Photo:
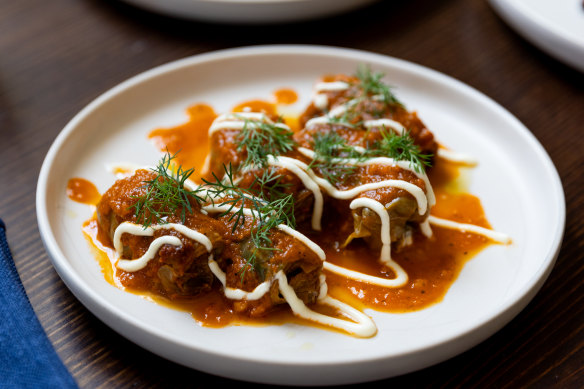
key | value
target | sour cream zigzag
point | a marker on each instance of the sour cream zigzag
(456, 157)
(320, 100)
(379, 161)
(495, 236)
(314, 183)
(238, 294)
(132, 265)
(362, 325)
(237, 121)
(294, 165)
(377, 207)
(289, 164)
(385, 257)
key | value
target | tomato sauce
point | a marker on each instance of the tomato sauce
(189, 138)
(82, 191)
(432, 264)
(285, 96)
(209, 309)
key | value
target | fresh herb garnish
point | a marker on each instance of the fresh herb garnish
(276, 212)
(369, 87)
(228, 193)
(372, 84)
(165, 194)
(401, 148)
(349, 118)
(260, 139)
(269, 207)
(265, 197)
(330, 149)
(269, 184)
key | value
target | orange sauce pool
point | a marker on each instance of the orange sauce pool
(210, 309)
(82, 191)
(191, 138)
(432, 264)
(286, 96)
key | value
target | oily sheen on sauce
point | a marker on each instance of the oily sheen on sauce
(431, 265)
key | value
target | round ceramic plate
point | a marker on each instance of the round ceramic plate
(557, 27)
(515, 180)
(250, 11)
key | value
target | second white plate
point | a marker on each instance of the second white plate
(515, 181)
(557, 26)
(250, 11)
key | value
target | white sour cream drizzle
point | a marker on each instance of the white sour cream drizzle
(401, 276)
(495, 236)
(359, 324)
(320, 99)
(387, 123)
(288, 164)
(456, 157)
(311, 181)
(238, 294)
(132, 265)
(380, 161)
(334, 113)
(330, 86)
(376, 206)
(237, 121)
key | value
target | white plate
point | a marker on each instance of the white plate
(250, 11)
(515, 180)
(555, 26)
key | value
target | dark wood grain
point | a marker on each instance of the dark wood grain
(56, 56)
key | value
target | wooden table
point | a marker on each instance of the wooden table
(56, 56)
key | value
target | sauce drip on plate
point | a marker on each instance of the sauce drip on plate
(431, 264)
(189, 138)
(82, 191)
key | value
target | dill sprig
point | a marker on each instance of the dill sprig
(369, 84)
(401, 148)
(372, 84)
(260, 139)
(279, 211)
(230, 194)
(165, 194)
(348, 118)
(330, 149)
(270, 207)
(270, 185)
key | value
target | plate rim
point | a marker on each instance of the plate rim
(250, 12)
(74, 282)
